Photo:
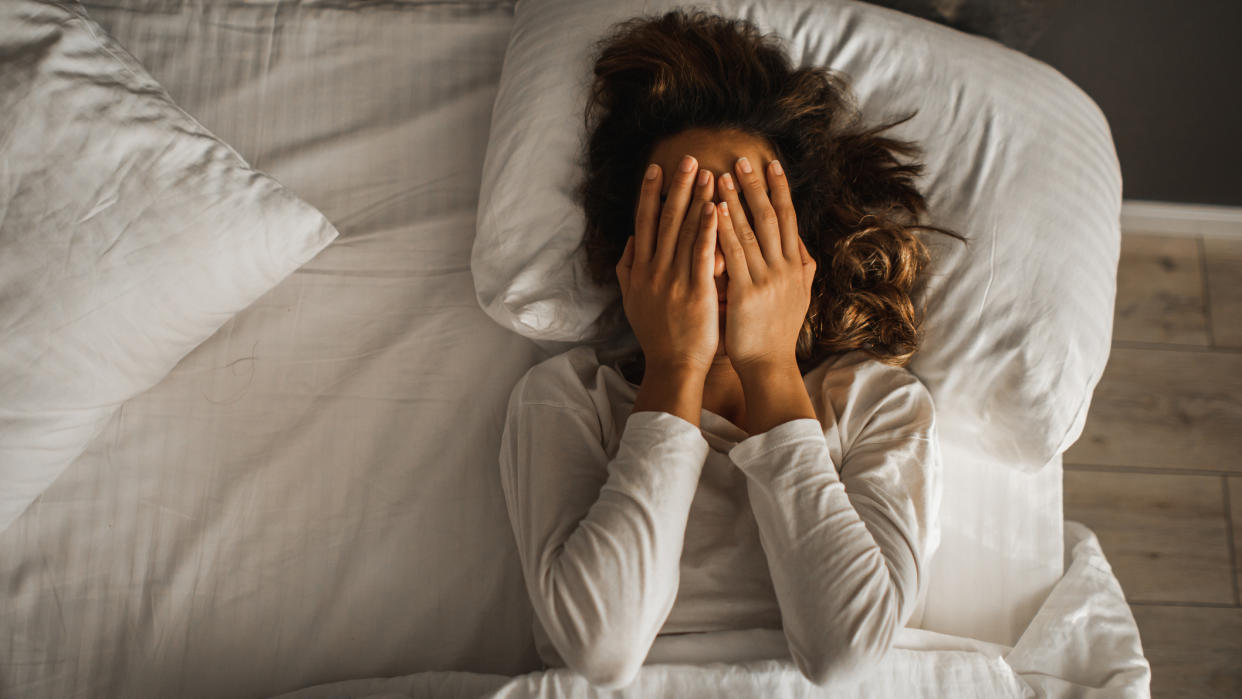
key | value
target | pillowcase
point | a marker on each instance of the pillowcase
(1017, 24)
(128, 236)
(1019, 160)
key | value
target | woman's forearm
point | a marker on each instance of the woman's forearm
(674, 390)
(775, 394)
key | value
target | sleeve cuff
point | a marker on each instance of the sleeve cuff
(753, 447)
(668, 425)
(665, 422)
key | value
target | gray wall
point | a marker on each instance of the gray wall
(1168, 75)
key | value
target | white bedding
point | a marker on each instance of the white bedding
(312, 495)
(1081, 644)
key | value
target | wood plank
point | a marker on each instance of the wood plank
(1235, 507)
(1164, 535)
(1165, 408)
(1224, 283)
(1160, 291)
(1193, 651)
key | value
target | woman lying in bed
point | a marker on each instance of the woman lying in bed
(766, 461)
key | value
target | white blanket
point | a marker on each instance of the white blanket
(1081, 643)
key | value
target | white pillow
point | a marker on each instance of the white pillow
(1019, 160)
(128, 235)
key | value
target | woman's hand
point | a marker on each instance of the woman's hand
(770, 271)
(665, 273)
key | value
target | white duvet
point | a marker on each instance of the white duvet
(1080, 644)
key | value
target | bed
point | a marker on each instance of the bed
(307, 503)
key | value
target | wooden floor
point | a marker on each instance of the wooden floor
(1157, 473)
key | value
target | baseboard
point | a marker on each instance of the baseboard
(1173, 218)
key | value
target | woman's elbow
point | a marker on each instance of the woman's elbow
(847, 648)
(606, 665)
(839, 669)
(841, 660)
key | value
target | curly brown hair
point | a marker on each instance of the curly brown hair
(857, 207)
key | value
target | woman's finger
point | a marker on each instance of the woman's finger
(684, 257)
(693, 223)
(742, 232)
(646, 218)
(704, 259)
(782, 202)
(734, 255)
(808, 263)
(764, 221)
(625, 265)
(674, 211)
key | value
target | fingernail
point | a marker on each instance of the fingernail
(728, 181)
(776, 167)
(651, 171)
(687, 164)
(744, 163)
(702, 177)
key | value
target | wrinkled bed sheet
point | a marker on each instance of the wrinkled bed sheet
(312, 494)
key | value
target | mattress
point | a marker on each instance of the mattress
(312, 495)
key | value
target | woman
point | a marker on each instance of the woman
(765, 461)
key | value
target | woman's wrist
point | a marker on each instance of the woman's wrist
(755, 370)
(672, 388)
(775, 394)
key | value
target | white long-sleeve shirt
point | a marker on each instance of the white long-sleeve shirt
(630, 526)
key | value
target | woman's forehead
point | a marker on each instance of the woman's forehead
(715, 150)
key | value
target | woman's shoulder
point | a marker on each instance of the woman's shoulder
(858, 364)
(576, 383)
(863, 392)
(571, 378)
